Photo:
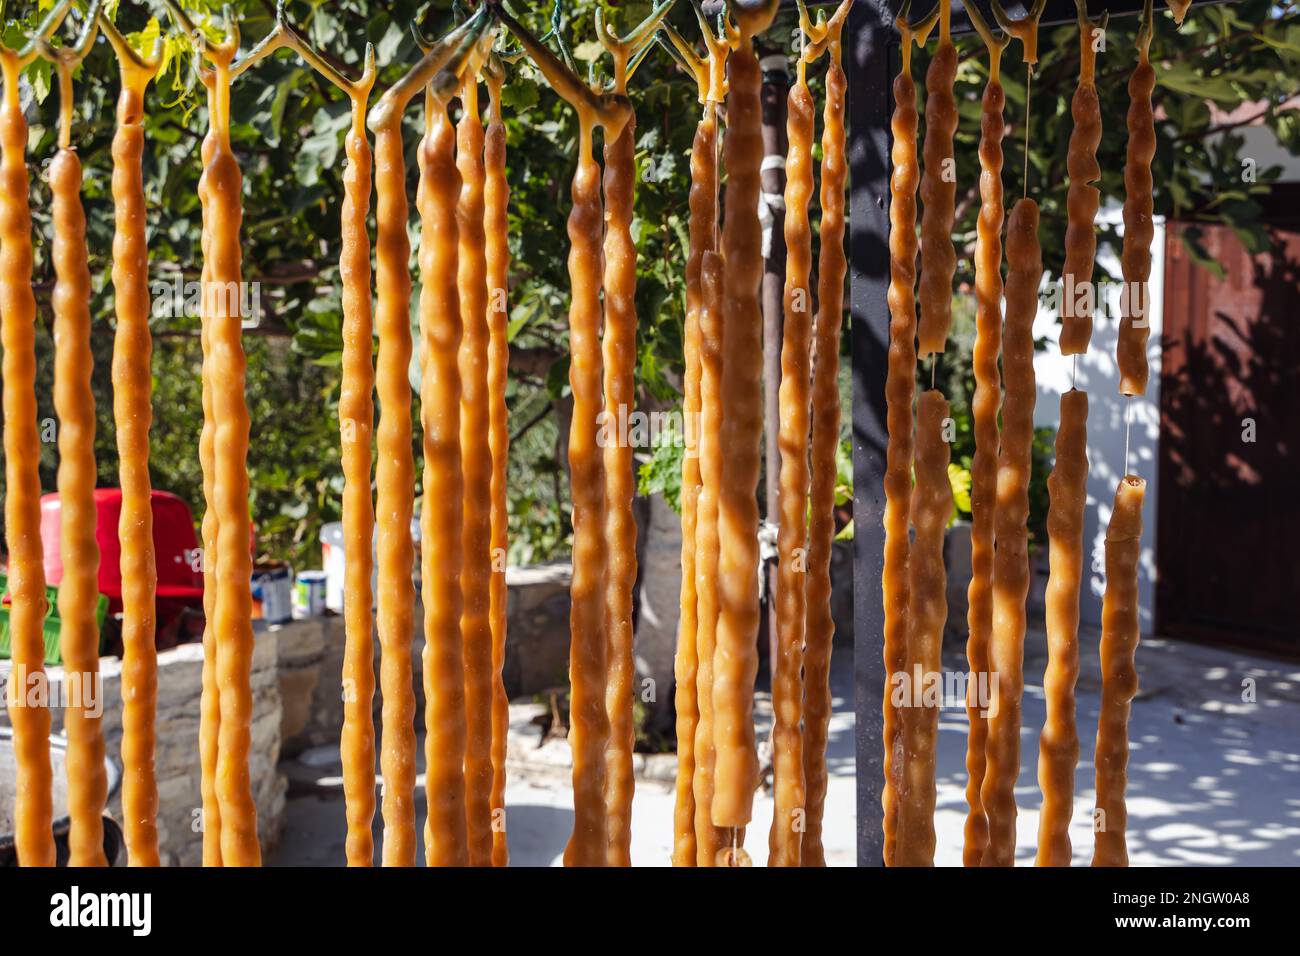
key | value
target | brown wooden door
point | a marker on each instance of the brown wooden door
(1229, 507)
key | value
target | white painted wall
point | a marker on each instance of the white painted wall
(1098, 375)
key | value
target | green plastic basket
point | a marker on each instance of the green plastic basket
(51, 627)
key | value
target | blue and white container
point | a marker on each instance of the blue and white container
(309, 595)
(272, 593)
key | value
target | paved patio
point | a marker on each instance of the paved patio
(1214, 772)
(539, 797)
(1214, 779)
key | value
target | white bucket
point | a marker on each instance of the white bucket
(334, 562)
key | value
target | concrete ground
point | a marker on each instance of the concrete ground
(539, 797)
(1214, 760)
(1214, 772)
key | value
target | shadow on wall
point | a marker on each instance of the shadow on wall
(1230, 516)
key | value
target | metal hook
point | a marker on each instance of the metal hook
(556, 30)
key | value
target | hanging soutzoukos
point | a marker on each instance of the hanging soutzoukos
(74, 402)
(1120, 619)
(356, 420)
(698, 842)
(735, 657)
(589, 729)
(619, 354)
(900, 390)
(496, 198)
(1067, 484)
(695, 840)
(927, 576)
(824, 443)
(33, 799)
(395, 475)
(985, 405)
(1011, 510)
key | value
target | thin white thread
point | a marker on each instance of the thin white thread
(1128, 426)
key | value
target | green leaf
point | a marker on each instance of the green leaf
(959, 479)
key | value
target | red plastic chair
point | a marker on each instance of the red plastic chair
(180, 586)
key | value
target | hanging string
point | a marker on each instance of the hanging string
(557, 31)
(1128, 427)
(1029, 80)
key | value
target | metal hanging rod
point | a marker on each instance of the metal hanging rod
(1056, 13)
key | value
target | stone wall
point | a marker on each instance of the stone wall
(311, 656)
(176, 761)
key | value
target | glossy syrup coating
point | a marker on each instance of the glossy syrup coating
(1139, 230)
(1082, 199)
(928, 610)
(735, 658)
(831, 268)
(1011, 517)
(789, 813)
(441, 516)
(476, 459)
(496, 198)
(709, 839)
(1119, 679)
(619, 355)
(985, 405)
(695, 839)
(900, 389)
(589, 652)
(938, 195)
(233, 606)
(702, 200)
(210, 701)
(356, 420)
(74, 402)
(1058, 745)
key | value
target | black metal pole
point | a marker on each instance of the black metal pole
(776, 85)
(868, 47)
